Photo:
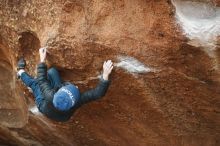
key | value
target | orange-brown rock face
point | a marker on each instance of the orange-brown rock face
(163, 90)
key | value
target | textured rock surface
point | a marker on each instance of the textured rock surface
(176, 103)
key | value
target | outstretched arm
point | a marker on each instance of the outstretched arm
(44, 84)
(101, 88)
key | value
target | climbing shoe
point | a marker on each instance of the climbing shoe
(21, 64)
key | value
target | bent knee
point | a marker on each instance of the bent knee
(52, 70)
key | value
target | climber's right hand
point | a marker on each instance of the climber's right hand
(43, 54)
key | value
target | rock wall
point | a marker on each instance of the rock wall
(163, 90)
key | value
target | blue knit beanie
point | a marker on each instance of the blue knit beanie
(66, 97)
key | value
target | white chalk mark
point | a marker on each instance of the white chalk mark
(35, 110)
(200, 22)
(87, 80)
(132, 65)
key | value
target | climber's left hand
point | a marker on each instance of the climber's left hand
(107, 69)
(43, 54)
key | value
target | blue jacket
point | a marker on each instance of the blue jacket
(46, 106)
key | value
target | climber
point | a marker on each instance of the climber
(58, 100)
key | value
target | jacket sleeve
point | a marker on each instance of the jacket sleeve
(95, 93)
(47, 91)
